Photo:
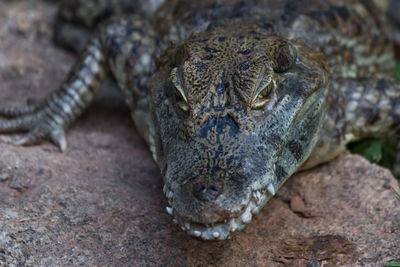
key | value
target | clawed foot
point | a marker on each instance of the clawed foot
(38, 123)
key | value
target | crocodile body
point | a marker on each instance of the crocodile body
(232, 97)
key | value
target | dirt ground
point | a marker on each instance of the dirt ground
(101, 202)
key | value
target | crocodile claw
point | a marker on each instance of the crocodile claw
(39, 125)
(58, 138)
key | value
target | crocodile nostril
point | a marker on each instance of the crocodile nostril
(206, 192)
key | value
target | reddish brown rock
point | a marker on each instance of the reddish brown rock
(101, 202)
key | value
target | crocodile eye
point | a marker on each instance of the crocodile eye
(180, 95)
(263, 96)
(181, 102)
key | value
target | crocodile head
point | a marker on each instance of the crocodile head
(236, 111)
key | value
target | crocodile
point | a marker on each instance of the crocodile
(232, 97)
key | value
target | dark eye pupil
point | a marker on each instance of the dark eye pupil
(180, 102)
(178, 96)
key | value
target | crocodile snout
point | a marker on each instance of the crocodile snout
(207, 191)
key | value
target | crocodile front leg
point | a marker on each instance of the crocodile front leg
(123, 46)
(357, 108)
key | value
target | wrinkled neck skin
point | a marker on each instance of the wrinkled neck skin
(236, 111)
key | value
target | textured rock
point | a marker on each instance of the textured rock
(101, 202)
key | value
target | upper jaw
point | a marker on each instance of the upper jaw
(223, 229)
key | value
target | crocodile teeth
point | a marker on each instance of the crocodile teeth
(165, 189)
(196, 233)
(169, 210)
(246, 216)
(271, 189)
(187, 225)
(233, 225)
(255, 196)
(222, 230)
(256, 210)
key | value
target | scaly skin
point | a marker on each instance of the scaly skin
(232, 97)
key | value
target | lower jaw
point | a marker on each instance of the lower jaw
(223, 230)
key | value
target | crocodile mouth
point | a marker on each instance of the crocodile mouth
(223, 229)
